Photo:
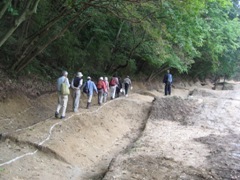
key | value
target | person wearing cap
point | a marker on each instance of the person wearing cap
(127, 83)
(113, 85)
(91, 88)
(76, 86)
(105, 94)
(62, 99)
(101, 87)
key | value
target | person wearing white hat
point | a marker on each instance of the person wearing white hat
(62, 98)
(76, 86)
(127, 83)
(105, 95)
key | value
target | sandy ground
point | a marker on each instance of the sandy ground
(193, 134)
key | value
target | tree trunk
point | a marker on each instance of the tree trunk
(3, 10)
(26, 13)
(154, 74)
(36, 45)
(37, 49)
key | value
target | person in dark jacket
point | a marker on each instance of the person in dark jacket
(167, 80)
(118, 88)
(76, 86)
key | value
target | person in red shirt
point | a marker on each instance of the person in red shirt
(101, 87)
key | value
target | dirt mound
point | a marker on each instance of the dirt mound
(175, 109)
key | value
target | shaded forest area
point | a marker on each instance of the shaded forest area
(141, 38)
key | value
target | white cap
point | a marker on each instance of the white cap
(101, 78)
(106, 78)
(64, 73)
(88, 77)
(79, 74)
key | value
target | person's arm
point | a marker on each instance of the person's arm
(80, 83)
(72, 84)
(117, 81)
(67, 82)
(94, 87)
(164, 78)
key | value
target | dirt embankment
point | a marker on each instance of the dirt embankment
(194, 134)
(35, 145)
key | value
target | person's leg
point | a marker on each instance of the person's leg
(126, 88)
(166, 89)
(117, 92)
(100, 97)
(64, 105)
(74, 98)
(114, 91)
(169, 88)
(89, 101)
(59, 105)
(105, 95)
(76, 101)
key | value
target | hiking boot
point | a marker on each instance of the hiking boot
(62, 117)
(88, 104)
(56, 114)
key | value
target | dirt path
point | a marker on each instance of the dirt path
(177, 137)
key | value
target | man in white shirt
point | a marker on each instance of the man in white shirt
(62, 99)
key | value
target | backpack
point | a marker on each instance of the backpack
(76, 81)
(100, 85)
(64, 90)
(85, 88)
(113, 82)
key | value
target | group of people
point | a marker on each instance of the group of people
(102, 88)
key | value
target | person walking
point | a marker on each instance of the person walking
(127, 83)
(62, 98)
(105, 95)
(167, 80)
(113, 85)
(101, 87)
(118, 88)
(76, 86)
(90, 88)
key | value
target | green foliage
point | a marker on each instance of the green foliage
(192, 36)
